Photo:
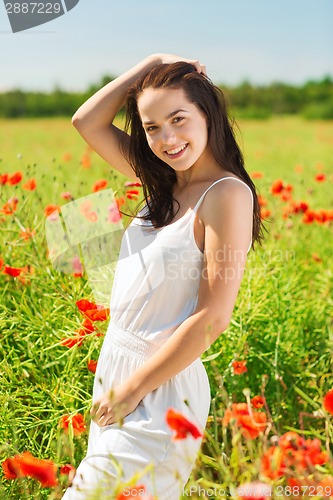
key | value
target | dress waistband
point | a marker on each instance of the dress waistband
(130, 342)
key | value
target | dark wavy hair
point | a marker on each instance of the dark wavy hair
(157, 177)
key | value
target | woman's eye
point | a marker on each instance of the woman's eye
(151, 129)
(177, 119)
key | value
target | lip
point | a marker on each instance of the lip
(177, 155)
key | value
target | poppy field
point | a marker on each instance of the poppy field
(270, 428)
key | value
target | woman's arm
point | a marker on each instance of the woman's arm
(227, 216)
(94, 119)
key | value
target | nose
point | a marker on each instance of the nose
(168, 136)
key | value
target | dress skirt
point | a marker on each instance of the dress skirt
(143, 443)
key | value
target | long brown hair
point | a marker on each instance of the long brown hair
(156, 176)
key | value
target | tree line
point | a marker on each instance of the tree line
(312, 100)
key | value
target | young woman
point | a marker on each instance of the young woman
(179, 271)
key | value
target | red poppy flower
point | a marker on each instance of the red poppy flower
(10, 207)
(285, 195)
(27, 234)
(12, 271)
(84, 304)
(309, 216)
(276, 187)
(49, 209)
(98, 314)
(68, 470)
(73, 341)
(257, 175)
(93, 311)
(299, 206)
(132, 194)
(92, 365)
(132, 191)
(182, 427)
(328, 401)
(321, 216)
(15, 178)
(299, 483)
(262, 201)
(43, 471)
(239, 367)
(133, 184)
(291, 440)
(88, 325)
(23, 276)
(250, 425)
(3, 179)
(67, 195)
(11, 468)
(1, 262)
(86, 161)
(120, 201)
(264, 212)
(99, 185)
(320, 177)
(300, 453)
(272, 463)
(77, 421)
(258, 402)
(30, 185)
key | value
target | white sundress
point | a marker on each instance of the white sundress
(155, 289)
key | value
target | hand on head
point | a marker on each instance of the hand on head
(170, 58)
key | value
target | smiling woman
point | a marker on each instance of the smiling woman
(178, 273)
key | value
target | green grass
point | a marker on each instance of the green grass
(282, 323)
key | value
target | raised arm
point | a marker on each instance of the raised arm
(94, 119)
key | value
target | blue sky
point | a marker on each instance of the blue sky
(258, 40)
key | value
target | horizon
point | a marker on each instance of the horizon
(219, 84)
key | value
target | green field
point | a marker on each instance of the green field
(282, 323)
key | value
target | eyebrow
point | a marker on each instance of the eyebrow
(169, 116)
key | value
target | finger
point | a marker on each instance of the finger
(94, 409)
(106, 419)
(203, 70)
(197, 66)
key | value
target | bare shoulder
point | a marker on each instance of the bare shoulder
(227, 198)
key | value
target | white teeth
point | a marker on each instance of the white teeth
(177, 150)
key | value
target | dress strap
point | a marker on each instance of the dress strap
(219, 180)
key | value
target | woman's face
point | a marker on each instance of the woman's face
(176, 129)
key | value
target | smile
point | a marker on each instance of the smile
(176, 152)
